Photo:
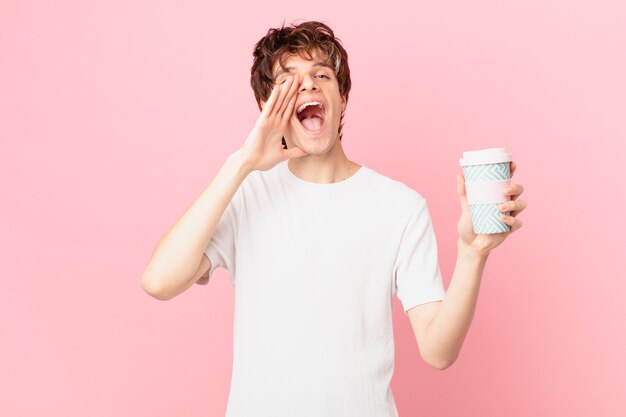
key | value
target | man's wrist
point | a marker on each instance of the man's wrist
(469, 251)
(237, 160)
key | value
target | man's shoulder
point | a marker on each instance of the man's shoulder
(388, 187)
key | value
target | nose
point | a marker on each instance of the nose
(307, 83)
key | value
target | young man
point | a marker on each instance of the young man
(316, 246)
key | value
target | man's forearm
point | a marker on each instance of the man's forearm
(448, 329)
(181, 248)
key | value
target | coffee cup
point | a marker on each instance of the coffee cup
(487, 173)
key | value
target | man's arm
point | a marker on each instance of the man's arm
(440, 327)
(179, 255)
(176, 261)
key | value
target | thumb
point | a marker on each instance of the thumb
(460, 188)
(294, 152)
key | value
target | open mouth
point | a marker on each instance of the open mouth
(311, 116)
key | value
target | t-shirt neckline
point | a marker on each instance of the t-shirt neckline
(294, 179)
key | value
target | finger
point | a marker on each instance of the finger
(294, 152)
(513, 190)
(281, 97)
(513, 206)
(269, 104)
(288, 113)
(513, 222)
(513, 166)
(290, 101)
(291, 104)
(461, 190)
(519, 207)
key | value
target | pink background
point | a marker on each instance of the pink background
(115, 115)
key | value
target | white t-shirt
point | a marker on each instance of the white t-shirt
(314, 269)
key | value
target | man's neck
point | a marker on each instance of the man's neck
(322, 170)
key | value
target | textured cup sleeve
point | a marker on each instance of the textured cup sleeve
(221, 247)
(417, 275)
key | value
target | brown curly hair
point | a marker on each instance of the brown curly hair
(305, 39)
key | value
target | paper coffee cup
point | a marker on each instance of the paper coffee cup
(487, 173)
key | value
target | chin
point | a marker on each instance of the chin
(312, 143)
(317, 145)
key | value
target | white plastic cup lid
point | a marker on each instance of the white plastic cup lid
(485, 156)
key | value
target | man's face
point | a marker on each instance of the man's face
(314, 129)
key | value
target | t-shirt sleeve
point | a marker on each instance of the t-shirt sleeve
(221, 247)
(416, 270)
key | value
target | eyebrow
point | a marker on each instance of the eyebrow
(287, 69)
